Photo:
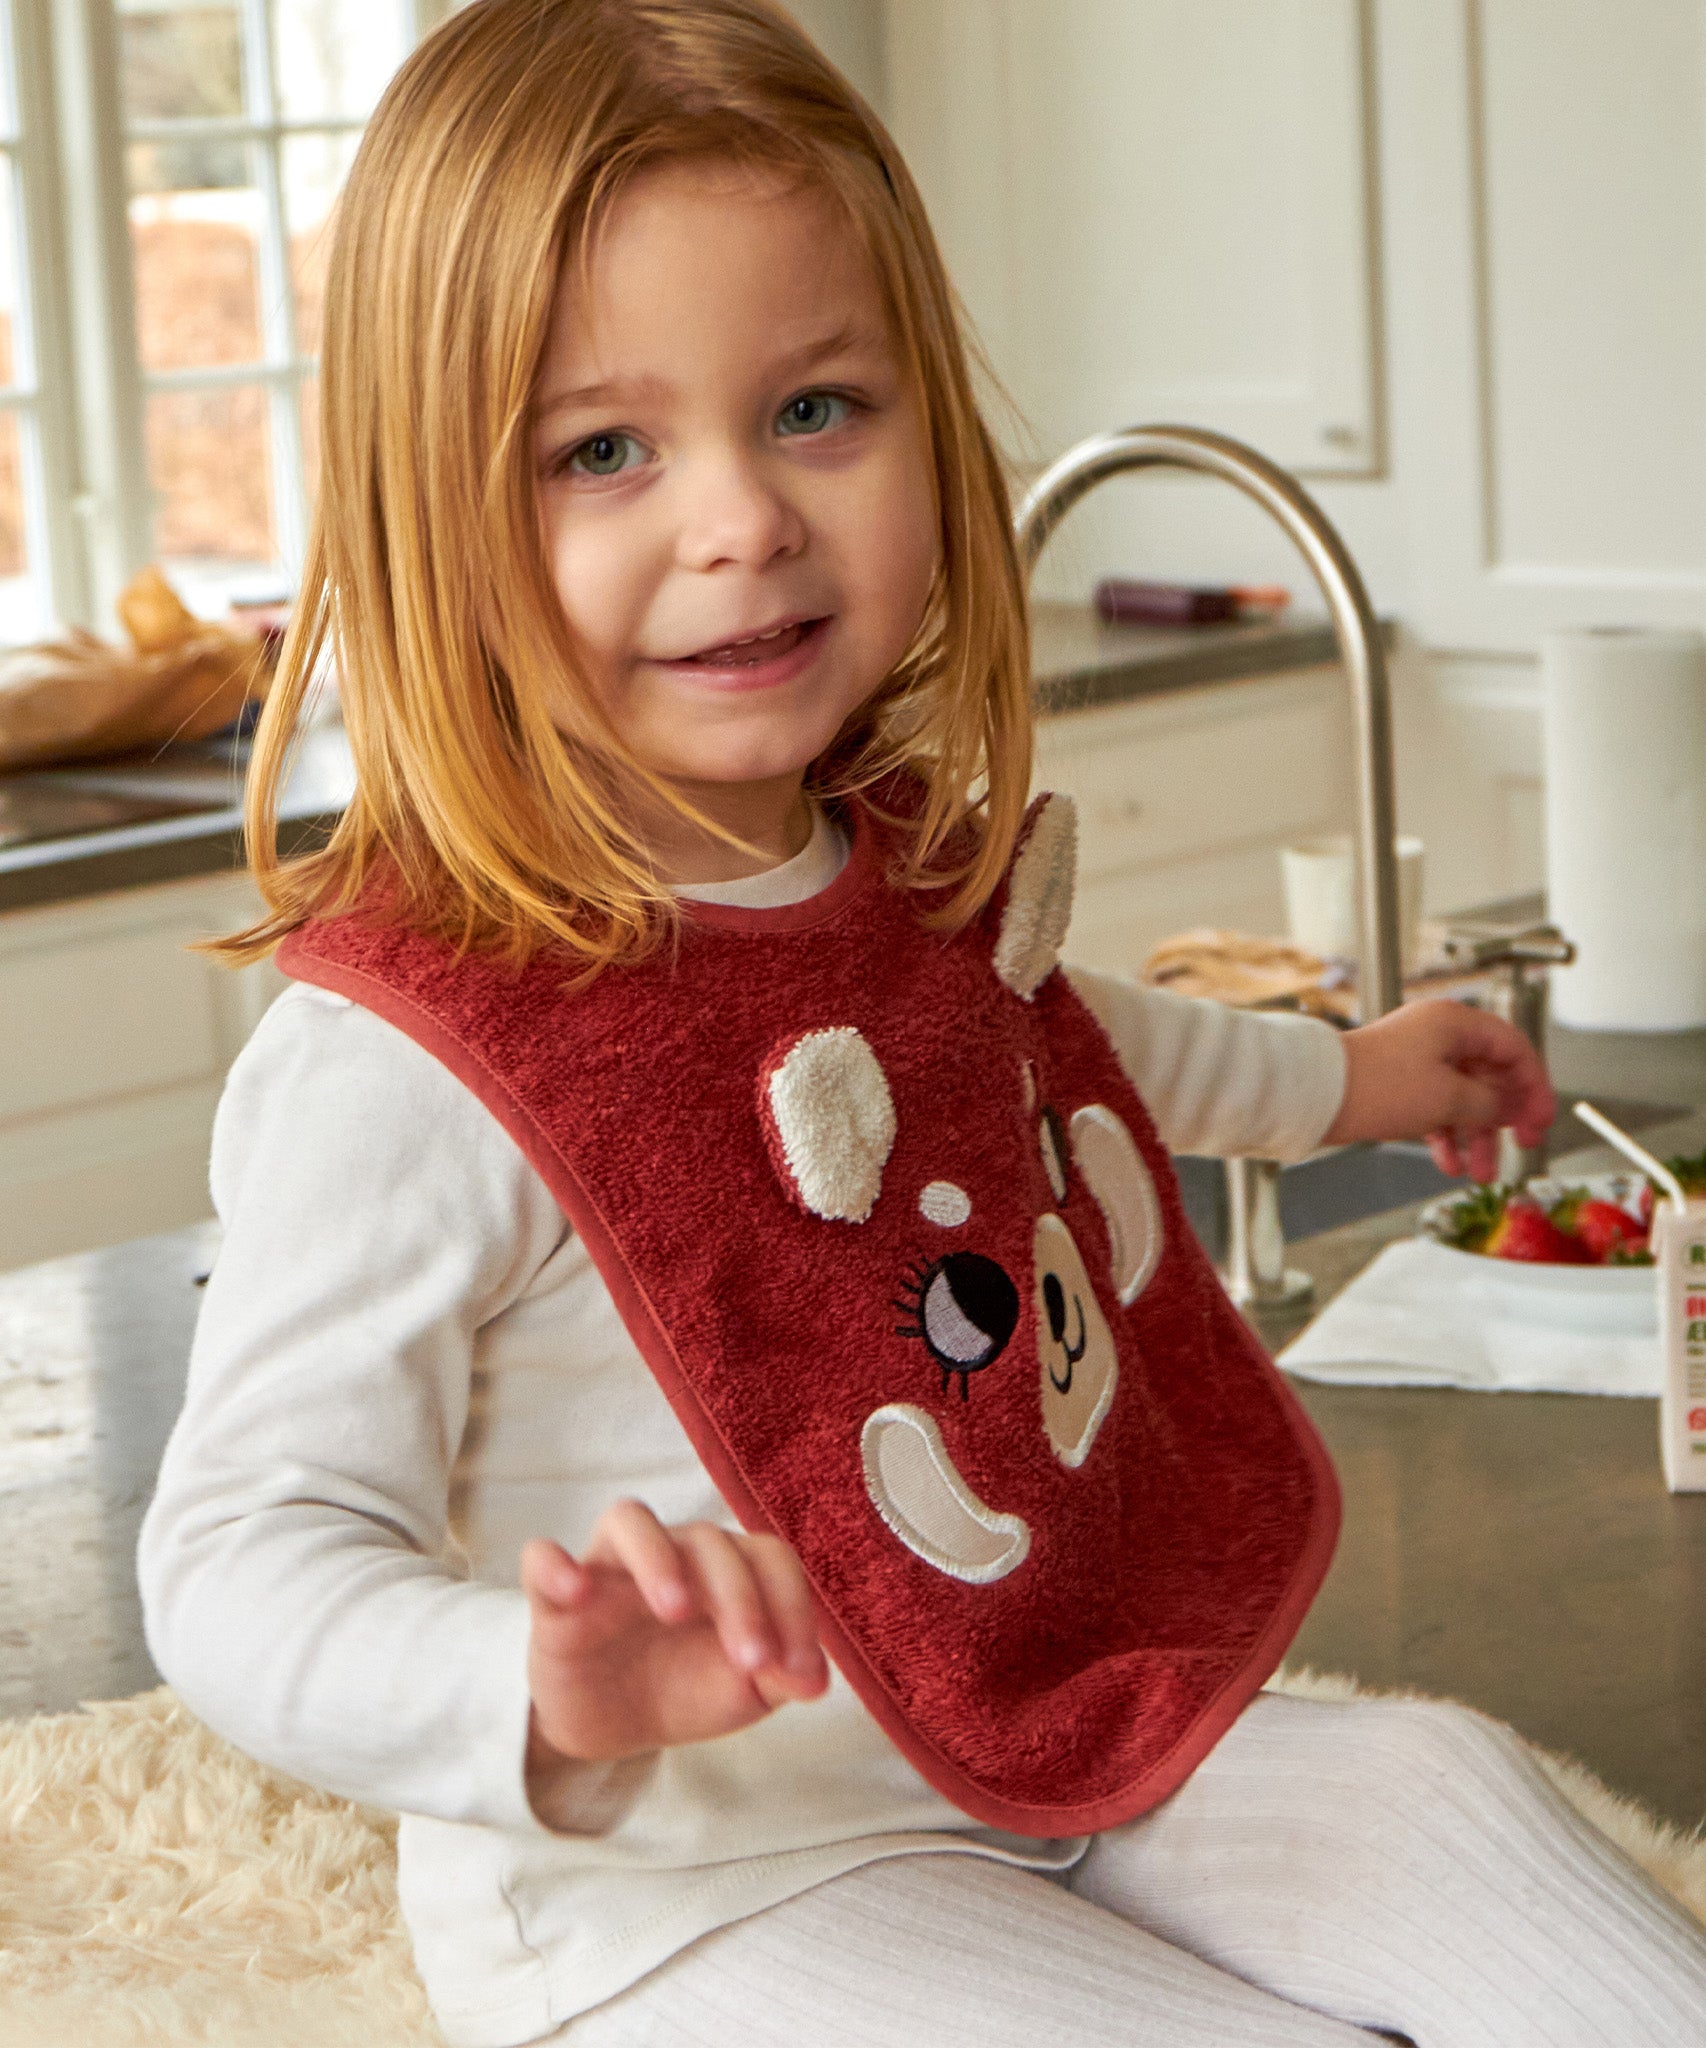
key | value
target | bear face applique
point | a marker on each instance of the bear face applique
(831, 1120)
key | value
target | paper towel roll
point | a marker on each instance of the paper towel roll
(1625, 723)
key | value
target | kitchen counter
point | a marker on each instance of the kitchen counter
(1520, 1551)
(1517, 1551)
(1077, 660)
(90, 830)
(164, 817)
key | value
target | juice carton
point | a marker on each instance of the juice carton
(1679, 1246)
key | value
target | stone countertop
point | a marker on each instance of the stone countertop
(1520, 1551)
(162, 817)
(123, 824)
(1079, 661)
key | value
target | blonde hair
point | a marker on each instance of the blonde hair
(489, 163)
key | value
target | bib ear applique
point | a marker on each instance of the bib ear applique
(829, 1119)
(1039, 898)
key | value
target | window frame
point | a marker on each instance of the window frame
(47, 459)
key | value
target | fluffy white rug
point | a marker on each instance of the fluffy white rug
(157, 1887)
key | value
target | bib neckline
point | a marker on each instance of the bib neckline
(861, 871)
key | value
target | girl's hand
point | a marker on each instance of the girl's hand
(659, 1636)
(1445, 1072)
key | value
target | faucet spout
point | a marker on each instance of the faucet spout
(1080, 469)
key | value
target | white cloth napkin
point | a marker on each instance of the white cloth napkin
(1424, 1315)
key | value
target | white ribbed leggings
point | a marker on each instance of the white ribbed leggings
(1400, 1867)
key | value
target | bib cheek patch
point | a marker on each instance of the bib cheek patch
(943, 1327)
(914, 1487)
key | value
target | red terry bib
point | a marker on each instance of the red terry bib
(899, 1241)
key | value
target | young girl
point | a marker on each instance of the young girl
(682, 1220)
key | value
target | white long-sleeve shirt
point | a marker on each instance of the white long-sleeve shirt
(406, 1365)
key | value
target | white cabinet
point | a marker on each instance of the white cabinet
(1155, 209)
(1185, 800)
(116, 1040)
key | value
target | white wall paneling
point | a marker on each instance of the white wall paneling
(1546, 245)
(850, 35)
(1185, 800)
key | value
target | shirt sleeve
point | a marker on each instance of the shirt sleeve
(301, 1587)
(1217, 1080)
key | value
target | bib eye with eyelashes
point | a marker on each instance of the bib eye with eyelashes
(897, 1238)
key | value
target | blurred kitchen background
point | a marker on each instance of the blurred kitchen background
(1445, 263)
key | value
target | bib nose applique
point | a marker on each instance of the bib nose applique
(1079, 1366)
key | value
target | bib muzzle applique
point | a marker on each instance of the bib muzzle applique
(897, 1237)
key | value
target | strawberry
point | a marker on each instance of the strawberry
(1632, 1251)
(1603, 1226)
(1474, 1216)
(1527, 1233)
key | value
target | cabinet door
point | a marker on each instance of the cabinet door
(116, 1040)
(1155, 210)
(1185, 801)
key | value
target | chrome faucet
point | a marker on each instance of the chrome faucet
(1256, 1271)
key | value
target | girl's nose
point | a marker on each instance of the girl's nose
(732, 514)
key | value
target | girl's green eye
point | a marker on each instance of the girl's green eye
(812, 413)
(605, 455)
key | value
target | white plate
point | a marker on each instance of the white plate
(1622, 1299)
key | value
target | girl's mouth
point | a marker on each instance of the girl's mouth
(758, 658)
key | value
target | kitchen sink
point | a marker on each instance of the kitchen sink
(44, 804)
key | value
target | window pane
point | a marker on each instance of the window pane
(314, 168)
(180, 63)
(23, 610)
(334, 56)
(8, 83)
(210, 462)
(14, 355)
(14, 549)
(196, 256)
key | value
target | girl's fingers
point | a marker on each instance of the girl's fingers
(1473, 1105)
(1483, 1155)
(750, 1589)
(631, 1536)
(1443, 1146)
(788, 1597)
(728, 1591)
(550, 1574)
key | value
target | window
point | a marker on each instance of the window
(240, 120)
(169, 172)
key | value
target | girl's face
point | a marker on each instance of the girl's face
(734, 478)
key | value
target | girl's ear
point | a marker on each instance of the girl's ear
(1039, 897)
(829, 1119)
